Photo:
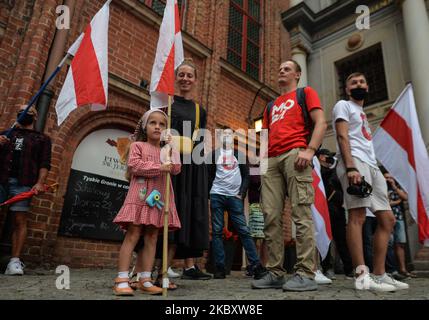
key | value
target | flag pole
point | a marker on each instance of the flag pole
(34, 98)
(165, 281)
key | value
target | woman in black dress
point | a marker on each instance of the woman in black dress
(190, 186)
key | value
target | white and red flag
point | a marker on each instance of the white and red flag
(320, 212)
(399, 147)
(169, 55)
(87, 79)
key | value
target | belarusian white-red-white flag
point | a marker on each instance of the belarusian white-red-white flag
(87, 79)
(320, 212)
(169, 55)
(399, 147)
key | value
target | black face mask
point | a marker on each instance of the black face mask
(358, 94)
(26, 120)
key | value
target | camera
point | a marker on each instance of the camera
(330, 160)
(362, 190)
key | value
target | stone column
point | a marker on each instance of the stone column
(416, 25)
(300, 56)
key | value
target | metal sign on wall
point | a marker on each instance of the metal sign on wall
(97, 187)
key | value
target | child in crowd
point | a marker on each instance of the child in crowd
(142, 211)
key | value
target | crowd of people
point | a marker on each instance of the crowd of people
(365, 207)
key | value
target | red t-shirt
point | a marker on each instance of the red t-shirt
(286, 122)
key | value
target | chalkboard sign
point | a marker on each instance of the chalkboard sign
(91, 203)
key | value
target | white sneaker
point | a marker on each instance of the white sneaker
(397, 284)
(15, 268)
(320, 278)
(172, 274)
(367, 282)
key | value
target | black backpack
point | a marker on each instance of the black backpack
(300, 97)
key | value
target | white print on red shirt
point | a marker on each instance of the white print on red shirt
(280, 111)
(366, 130)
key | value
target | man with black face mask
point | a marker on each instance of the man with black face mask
(357, 160)
(25, 160)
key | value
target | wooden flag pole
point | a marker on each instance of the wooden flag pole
(165, 281)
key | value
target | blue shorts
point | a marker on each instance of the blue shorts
(12, 189)
(399, 232)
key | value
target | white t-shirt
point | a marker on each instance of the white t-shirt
(228, 177)
(360, 136)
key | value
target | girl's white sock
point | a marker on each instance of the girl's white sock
(146, 274)
(123, 274)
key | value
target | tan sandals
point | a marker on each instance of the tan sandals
(122, 291)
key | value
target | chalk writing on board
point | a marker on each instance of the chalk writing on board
(90, 205)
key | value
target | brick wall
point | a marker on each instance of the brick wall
(26, 35)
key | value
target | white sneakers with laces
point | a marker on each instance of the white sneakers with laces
(15, 268)
(383, 283)
(320, 278)
(397, 284)
(367, 282)
(172, 274)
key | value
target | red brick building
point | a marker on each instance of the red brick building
(237, 46)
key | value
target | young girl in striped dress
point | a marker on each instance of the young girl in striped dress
(142, 211)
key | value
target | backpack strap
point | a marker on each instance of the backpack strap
(197, 121)
(300, 97)
(268, 110)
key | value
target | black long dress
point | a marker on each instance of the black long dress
(190, 188)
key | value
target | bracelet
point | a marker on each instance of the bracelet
(312, 148)
(351, 170)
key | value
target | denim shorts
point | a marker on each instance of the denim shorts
(12, 189)
(399, 232)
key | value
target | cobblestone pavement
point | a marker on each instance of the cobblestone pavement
(88, 284)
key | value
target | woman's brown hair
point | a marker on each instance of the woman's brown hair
(187, 62)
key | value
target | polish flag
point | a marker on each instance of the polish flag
(399, 147)
(320, 212)
(169, 55)
(87, 79)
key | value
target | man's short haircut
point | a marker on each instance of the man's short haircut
(353, 75)
(297, 65)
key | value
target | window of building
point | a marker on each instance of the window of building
(244, 35)
(159, 5)
(370, 63)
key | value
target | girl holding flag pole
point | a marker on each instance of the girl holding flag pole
(142, 211)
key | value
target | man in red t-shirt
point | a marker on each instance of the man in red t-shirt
(289, 173)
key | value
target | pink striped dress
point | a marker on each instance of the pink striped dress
(144, 164)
